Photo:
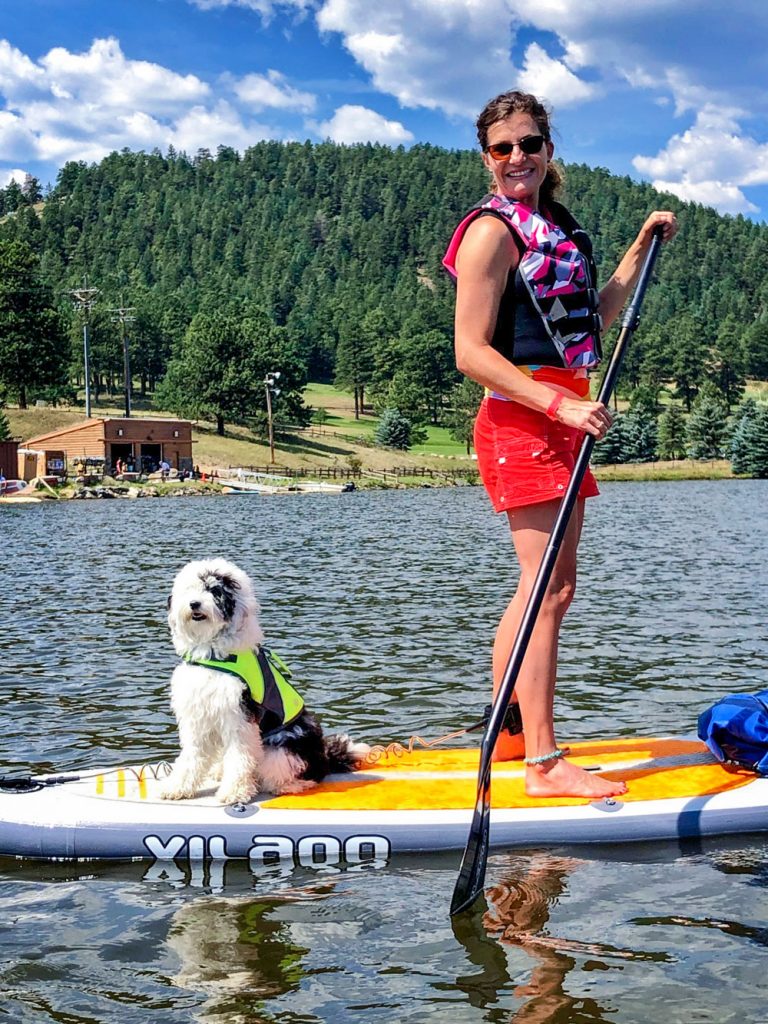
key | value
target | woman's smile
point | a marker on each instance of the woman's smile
(518, 175)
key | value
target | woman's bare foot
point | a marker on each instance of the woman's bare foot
(563, 778)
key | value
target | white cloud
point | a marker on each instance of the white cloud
(221, 126)
(17, 175)
(104, 76)
(723, 197)
(544, 76)
(445, 55)
(352, 123)
(17, 72)
(273, 90)
(82, 106)
(570, 19)
(16, 139)
(710, 162)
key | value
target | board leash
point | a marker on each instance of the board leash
(34, 783)
(380, 752)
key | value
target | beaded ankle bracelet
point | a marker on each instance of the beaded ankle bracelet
(554, 756)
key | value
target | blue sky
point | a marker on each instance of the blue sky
(667, 91)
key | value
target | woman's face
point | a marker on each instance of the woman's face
(519, 175)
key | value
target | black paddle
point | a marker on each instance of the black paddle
(469, 884)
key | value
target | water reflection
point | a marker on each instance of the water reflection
(238, 953)
(516, 914)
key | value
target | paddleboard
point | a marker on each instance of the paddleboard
(399, 802)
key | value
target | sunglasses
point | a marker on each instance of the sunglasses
(530, 144)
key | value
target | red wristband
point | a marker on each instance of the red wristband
(554, 405)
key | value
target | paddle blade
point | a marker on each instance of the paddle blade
(469, 884)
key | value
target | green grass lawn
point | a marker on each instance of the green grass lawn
(341, 418)
(440, 442)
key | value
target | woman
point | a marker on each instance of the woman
(527, 326)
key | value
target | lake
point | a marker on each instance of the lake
(384, 604)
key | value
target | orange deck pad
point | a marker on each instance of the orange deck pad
(654, 769)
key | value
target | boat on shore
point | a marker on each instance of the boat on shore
(21, 492)
(250, 482)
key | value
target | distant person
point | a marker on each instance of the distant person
(528, 321)
(119, 467)
(165, 469)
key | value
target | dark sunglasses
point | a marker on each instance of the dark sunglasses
(530, 144)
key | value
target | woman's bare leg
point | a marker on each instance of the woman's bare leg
(535, 688)
(531, 528)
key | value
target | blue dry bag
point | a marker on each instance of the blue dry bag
(736, 730)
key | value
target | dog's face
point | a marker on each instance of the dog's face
(212, 605)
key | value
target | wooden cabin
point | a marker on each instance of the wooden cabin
(141, 444)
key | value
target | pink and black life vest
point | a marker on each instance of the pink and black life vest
(548, 314)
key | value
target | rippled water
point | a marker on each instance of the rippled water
(384, 604)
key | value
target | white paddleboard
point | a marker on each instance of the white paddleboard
(400, 802)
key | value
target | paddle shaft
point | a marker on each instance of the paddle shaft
(469, 884)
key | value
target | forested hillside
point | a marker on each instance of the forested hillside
(331, 255)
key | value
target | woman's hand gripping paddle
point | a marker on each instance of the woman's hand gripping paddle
(469, 884)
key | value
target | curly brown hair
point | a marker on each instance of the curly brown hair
(515, 102)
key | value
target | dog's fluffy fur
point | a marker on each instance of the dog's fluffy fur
(212, 613)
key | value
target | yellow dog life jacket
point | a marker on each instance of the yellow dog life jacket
(266, 675)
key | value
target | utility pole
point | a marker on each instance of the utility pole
(85, 299)
(269, 385)
(123, 317)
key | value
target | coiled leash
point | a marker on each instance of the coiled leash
(513, 723)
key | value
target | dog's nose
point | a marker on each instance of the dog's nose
(194, 605)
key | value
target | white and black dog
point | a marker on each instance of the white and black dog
(241, 724)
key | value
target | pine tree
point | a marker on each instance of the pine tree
(32, 190)
(707, 427)
(33, 355)
(672, 433)
(5, 426)
(725, 362)
(612, 449)
(426, 372)
(640, 435)
(755, 346)
(749, 442)
(394, 430)
(219, 371)
(656, 358)
(760, 448)
(354, 356)
(688, 358)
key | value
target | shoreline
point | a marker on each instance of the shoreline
(331, 452)
(111, 489)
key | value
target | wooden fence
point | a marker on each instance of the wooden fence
(340, 473)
